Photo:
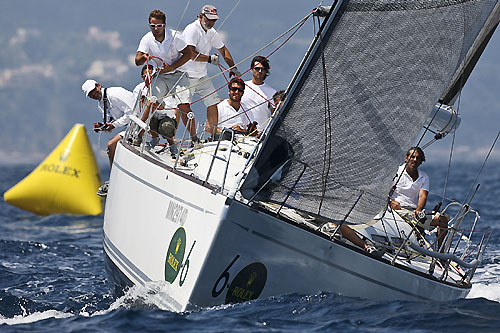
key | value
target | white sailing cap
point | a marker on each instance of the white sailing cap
(88, 86)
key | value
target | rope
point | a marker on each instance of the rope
(413, 152)
(328, 127)
(449, 167)
(298, 25)
(224, 70)
(184, 73)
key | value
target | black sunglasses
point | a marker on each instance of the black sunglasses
(237, 89)
(260, 69)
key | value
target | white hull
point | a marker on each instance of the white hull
(204, 249)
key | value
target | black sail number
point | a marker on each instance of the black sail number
(225, 276)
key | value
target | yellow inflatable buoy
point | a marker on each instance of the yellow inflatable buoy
(65, 182)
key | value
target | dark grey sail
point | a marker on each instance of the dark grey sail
(471, 58)
(358, 102)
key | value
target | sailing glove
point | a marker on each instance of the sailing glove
(234, 71)
(214, 59)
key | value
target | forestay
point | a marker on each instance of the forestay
(347, 123)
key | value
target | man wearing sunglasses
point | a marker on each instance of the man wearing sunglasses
(231, 112)
(259, 93)
(166, 49)
(201, 37)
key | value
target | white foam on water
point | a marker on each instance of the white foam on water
(31, 318)
(135, 297)
(486, 283)
(489, 291)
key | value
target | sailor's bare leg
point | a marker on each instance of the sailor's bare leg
(212, 118)
(441, 221)
(351, 236)
(112, 148)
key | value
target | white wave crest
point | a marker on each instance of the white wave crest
(489, 291)
(31, 318)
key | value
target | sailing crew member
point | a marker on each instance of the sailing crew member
(411, 190)
(259, 93)
(163, 121)
(116, 105)
(278, 97)
(231, 112)
(168, 46)
(201, 37)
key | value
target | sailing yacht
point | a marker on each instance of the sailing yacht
(243, 217)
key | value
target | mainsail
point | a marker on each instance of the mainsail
(360, 99)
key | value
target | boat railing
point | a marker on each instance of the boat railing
(459, 244)
(225, 159)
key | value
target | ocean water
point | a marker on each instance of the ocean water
(52, 277)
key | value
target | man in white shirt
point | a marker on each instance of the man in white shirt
(167, 50)
(230, 112)
(116, 105)
(258, 93)
(141, 90)
(163, 121)
(411, 190)
(201, 37)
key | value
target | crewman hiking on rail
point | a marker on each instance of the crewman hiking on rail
(410, 193)
(116, 105)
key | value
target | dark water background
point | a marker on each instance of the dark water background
(52, 277)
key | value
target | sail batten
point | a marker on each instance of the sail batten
(387, 64)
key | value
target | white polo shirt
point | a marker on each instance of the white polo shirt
(139, 90)
(256, 98)
(203, 41)
(407, 190)
(228, 116)
(168, 50)
(168, 106)
(120, 104)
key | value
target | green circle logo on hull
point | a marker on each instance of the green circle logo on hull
(247, 284)
(175, 255)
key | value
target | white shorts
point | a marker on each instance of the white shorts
(205, 90)
(162, 85)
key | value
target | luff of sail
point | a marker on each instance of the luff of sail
(350, 118)
(469, 61)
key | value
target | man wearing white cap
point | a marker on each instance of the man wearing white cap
(116, 105)
(201, 37)
(166, 49)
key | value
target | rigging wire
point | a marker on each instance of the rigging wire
(449, 167)
(417, 145)
(184, 73)
(482, 166)
(297, 25)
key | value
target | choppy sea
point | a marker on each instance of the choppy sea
(52, 277)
